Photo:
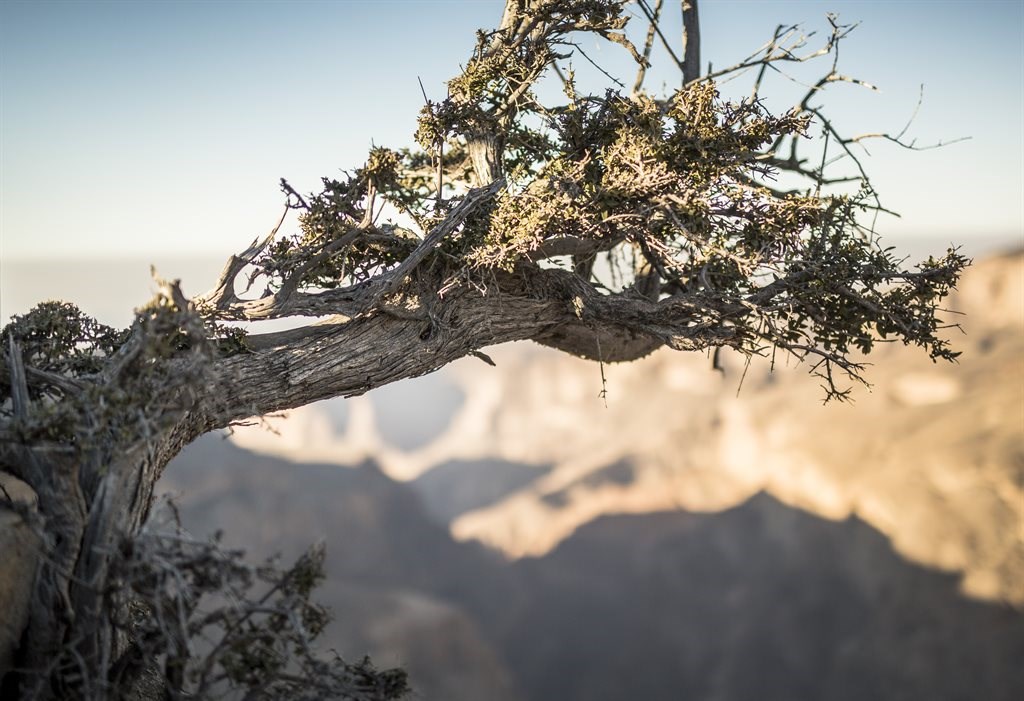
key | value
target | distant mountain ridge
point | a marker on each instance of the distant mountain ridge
(758, 601)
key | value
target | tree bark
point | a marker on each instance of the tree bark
(691, 41)
(342, 356)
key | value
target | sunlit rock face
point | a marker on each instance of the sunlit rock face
(932, 455)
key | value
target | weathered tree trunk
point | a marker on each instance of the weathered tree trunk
(88, 504)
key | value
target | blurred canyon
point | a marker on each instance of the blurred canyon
(502, 533)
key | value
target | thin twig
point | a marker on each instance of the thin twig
(648, 45)
(657, 28)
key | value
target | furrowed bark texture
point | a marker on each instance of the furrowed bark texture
(345, 356)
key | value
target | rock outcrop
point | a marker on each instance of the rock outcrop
(19, 555)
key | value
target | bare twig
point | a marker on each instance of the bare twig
(657, 28)
(290, 191)
(652, 28)
(469, 204)
(223, 294)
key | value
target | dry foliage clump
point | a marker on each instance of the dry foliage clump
(209, 625)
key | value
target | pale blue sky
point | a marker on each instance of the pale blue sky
(146, 128)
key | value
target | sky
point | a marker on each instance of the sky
(135, 129)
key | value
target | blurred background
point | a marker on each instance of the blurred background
(506, 533)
